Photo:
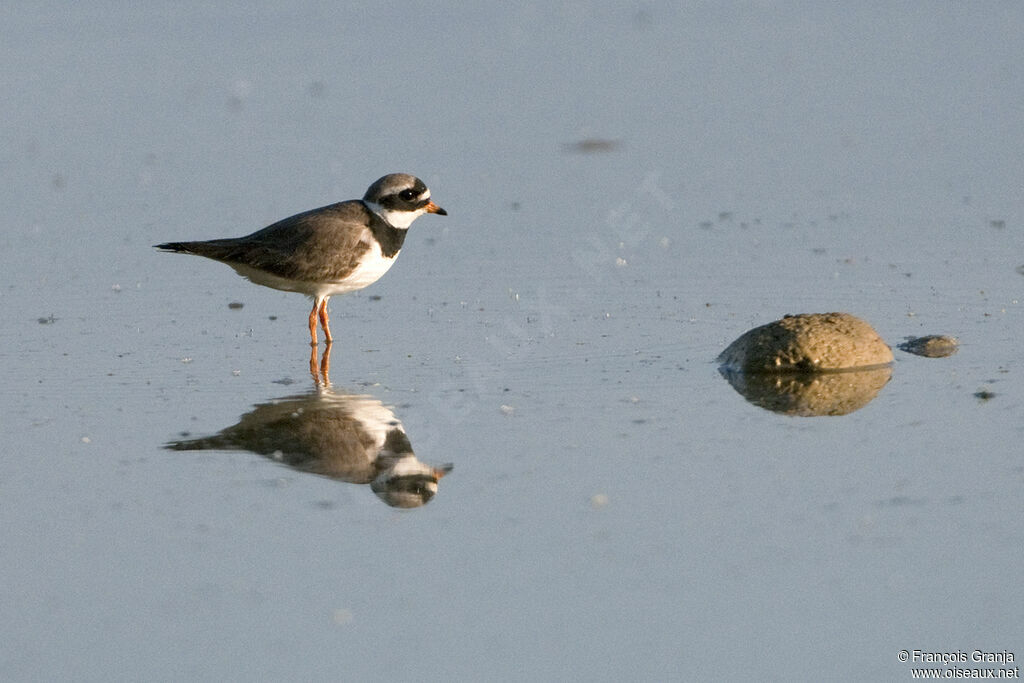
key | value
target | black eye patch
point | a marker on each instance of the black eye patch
(408, 195)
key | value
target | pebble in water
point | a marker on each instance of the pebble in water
(931, 346)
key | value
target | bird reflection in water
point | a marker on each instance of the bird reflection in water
(351, 438)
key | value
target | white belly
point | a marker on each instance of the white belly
(372, 267)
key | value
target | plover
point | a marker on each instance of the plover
(331, 250)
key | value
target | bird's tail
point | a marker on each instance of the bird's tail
(174, 246)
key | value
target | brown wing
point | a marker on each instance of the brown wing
(317, 245)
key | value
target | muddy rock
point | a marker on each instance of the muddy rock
(809, 342)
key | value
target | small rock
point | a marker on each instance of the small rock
(931, 346)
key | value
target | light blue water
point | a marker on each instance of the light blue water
(616, 509)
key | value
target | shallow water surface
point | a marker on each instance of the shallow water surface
(615, 509)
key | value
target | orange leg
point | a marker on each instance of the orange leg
(324, 320)
(312, 323)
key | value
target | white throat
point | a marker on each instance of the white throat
(396, 219)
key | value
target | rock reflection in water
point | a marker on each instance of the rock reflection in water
(347, 437)
(810, 394)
